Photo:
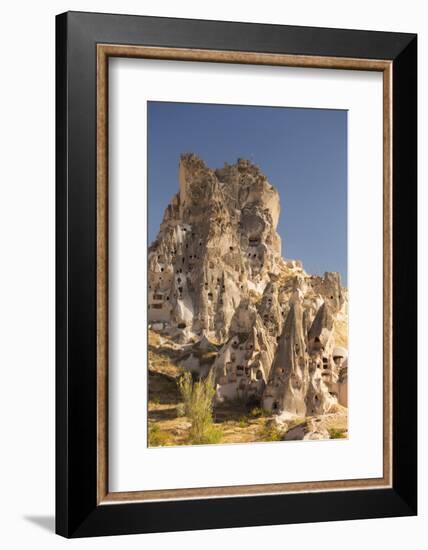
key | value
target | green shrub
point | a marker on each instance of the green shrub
(198, 406)
(337, 434)
(180, 410)
(212, 435)
(243, 422)
(270, 432)
(157, 437)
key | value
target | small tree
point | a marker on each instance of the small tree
(198, 402)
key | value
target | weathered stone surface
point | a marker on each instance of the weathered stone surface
(219, 286)
(288, 380)
(217, 243)
(329, 426)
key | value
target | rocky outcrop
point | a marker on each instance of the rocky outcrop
(288, 381)
(219, 286)
(217, 243)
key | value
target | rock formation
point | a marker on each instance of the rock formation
(219, 286)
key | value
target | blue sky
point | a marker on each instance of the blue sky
(303, 152)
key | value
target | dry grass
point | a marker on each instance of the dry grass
(163, 371)
(158, 437)
(169, 432)
(270, 432)
(337, 434)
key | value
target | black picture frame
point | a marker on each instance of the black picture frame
(77, 511)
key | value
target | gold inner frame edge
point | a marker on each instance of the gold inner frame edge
(104, 51)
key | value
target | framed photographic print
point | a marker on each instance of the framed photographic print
(236, 274)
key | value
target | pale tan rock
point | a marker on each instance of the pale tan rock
(307, 432)
(217, 280)
(217, 240)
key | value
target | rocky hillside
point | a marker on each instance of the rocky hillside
(220, 288)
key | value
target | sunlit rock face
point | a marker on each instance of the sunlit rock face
(217, 242)
(288, 382)
(216, 274)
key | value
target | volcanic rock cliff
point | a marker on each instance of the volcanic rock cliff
(218, 283)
